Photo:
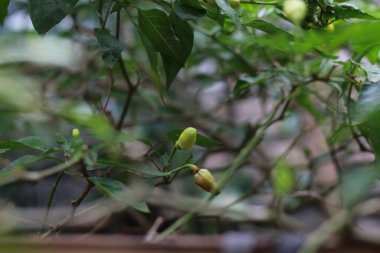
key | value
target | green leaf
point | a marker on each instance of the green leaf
(202, 140)
(372, 71)
(266, 27)
(344, 11)
(3, 10)
(21, 162)
(356, 184)
(226, 8)
(145, 172)
(118, 191)
(141, 206)
(109, 45)
(283, 178)
(368, 105)
(153, 60)
(32, 142)
(367, 114)
(46, 14)
(244, 83)
(188, 9)
(170, 36)
(120, 4)
(340, 135)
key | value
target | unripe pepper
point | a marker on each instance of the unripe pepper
(75, 133)
(295, 10)
(187, 138)
(330, 27)
(204, 179)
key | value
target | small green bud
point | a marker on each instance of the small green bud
(295, 10)
(204, 179)
(187, 138)
(75, 133)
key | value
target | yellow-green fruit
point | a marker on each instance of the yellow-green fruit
(330, 27)
(75, 133)
(204, 179)
(187, 138)
(295, 10)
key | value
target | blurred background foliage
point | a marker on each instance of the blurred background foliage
(287, 115)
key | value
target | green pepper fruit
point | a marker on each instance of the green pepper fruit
(187, 138)
(204, 179)
(75, 133)
(295, 10)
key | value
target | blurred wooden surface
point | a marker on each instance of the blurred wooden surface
(128, 244)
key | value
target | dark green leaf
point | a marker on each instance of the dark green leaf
(3, 10)
(22, 162)
(344, 11)
(266, 27)
(226, 8)
(343, 133)
(356, 184)
(110, 47)
(170, 36)
(46, 14)
(145, 172)
(120, 4)
(367, 114)
(119, 192)
(141, 206)
(32, 142)
(304, 99)
(188, 9)
(245, 82)
(153, 60)
(368, 105)
(202, 140)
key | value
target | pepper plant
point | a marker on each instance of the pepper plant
(256, 98)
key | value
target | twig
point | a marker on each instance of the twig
(153, 230)
(327, 229)
(110, 85)
(105, 19)
(52, 193)
(75, 203)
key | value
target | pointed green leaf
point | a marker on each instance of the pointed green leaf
(356, 184)
(170, 36)
(226, 8)
(46, 14)
(32, 142)
(267, 27)
(344, 11)
(188, 9)
(145, 172)
(3, 10)
(109, 45)
(118, 191)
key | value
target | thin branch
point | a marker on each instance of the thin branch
(51, 196)
(105, 19)
(110, 85)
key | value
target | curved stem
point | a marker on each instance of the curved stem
(257, 2)
(51, 196)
